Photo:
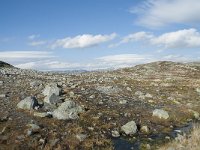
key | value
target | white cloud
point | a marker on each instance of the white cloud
(157, 13)
(48, 65)
(187, 38)
(139, 36)
(123, 58)
(83, 41)
(37, 43)
(25, 54)
(33, 36)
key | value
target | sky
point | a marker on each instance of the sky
(98, 34)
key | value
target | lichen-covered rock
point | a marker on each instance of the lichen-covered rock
(67, 110)
(129, 128)
(50, 89)
(28, 103)
(160, 113)
(52, 99)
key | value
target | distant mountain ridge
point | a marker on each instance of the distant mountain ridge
(6, 65)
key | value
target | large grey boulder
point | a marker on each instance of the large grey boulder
(52, 92)
(52, 99)
(28, 103)
(50, 89)
(160, 113)
(67, 110)
(129, 128)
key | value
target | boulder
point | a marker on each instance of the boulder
(50, 89)
(67, 110)
(52, 99)
(52, 92)
(160, 113)
(28, 103)
(129, 128)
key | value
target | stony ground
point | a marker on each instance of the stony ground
(97, 110)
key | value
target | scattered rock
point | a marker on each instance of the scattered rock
(198, 90)
(160, 113)
(54, 142)
(52, 99)
(50, 89)
(35, 84)
(123, 101)
(128, 89)
(195, 113)
(28, 103)
(81, 137)
(41, 114)
(115, 133)
(129, 128)
(67, 110)
(144, 129)
(33, 128)
(2, 95)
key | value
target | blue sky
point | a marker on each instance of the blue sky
(97, 34)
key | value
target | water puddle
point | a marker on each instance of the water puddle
(153, 139)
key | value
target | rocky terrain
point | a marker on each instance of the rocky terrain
(141, 107)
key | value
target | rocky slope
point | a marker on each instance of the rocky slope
(4, 64)
(132, 108)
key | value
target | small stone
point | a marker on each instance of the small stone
(162, 114)
(167, 137)
(115, 133)
(29, 133)
(128, 89)
(54, 142)
(41, 114)
(2, 95)
(92, 96)
(33, 127)
(195, 113)
(71, 94)
(34, 84)
(81, 137)
(129, 128)
(144, 129)
(123, 101)
(198, 90)
(148, 95)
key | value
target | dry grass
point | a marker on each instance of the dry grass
(185, 142)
